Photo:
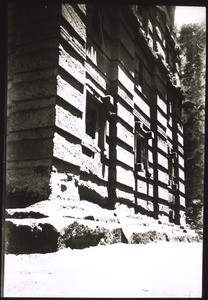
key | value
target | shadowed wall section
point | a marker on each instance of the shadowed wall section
(33, 35)
(94, 103)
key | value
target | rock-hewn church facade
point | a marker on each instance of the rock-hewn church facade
(94, 104)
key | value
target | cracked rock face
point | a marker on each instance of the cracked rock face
(79, 236)
(52, 225)
(21, 239)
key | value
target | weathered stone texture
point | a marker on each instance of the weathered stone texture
(163, 193)
(79, 236)
(125, 135)
(162, 160)
(31, 119)
(74, 20)
(33, 134)
(125, 156)
(125, 80)
(68, 122)
(32, 65)
(163, 176)
(34, 60)
(142, 104)
(125, 195)
(123, 93)
(83, 224)
(125, 176)
(33, 89)
(69, 93)
(64, 186)
(144, 238)
(31, 239)
(72, 41)
(58, 87)
(66, 151)
(96, 75)
(94, 189)
(144, 188)
(125, 114)
(91, 166)
(71, 64)
(126, 61)
(29, 149)
(31, 184)
(126, 39)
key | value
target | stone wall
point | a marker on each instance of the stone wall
(33, 35)
(96, 93)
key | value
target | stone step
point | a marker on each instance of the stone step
(51, 225)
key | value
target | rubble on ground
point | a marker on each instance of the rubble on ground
(50, 225)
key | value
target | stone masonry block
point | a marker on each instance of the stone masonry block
(125, 156)
(30, 134)
(125, 177)
(126, 39)
(73, 42)
(123, 94)
(142, 104)
(34, 104)
(125, 114)
(125, 80)
(30, 149)
(30, 119)
(36, 48)
(63, 186)
(74, 20)
(72, 65)
(125, 135)
(68, 122)
(70, 94)
(33, 89)
(66, 151)
(27, 184)
(34, 60)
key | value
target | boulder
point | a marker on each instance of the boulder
(30, 238)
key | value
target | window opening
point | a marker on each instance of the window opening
(141, 147)
(141, 152)
(172, 156)
(91, 126)
(96, 116)
(91, 121)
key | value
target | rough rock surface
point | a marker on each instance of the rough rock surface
(30, 239)
(51, 225)
(79, 236)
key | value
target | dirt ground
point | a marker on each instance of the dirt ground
(163, 269)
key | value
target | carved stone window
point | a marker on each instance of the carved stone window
(90, 140)
(142, 135)
(92, 115)
(141, 153)
(172, 157)
(96, 116)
